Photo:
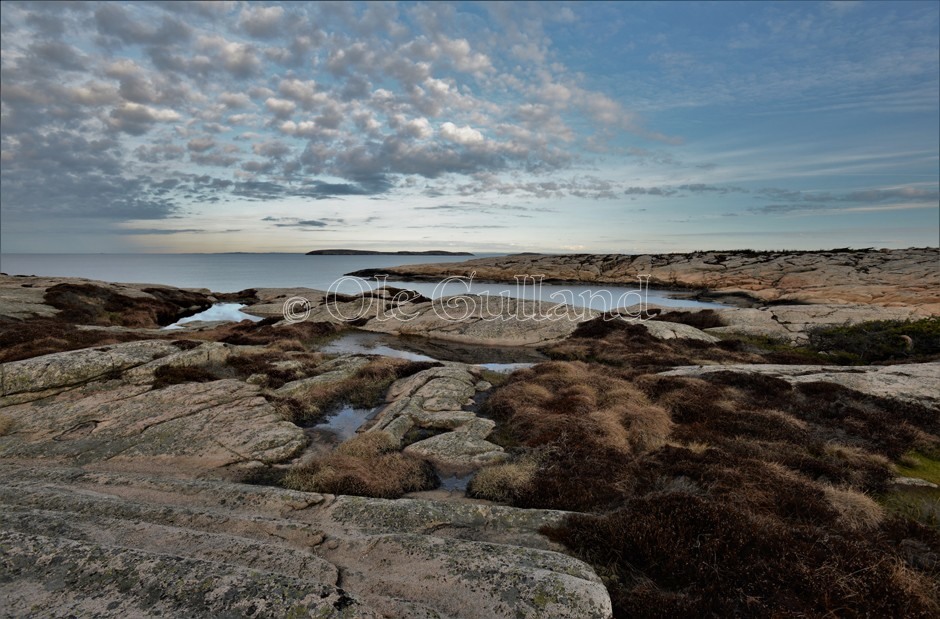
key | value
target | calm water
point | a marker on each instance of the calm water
(234, 272)
(218, 272)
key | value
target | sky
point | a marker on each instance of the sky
(168, 127)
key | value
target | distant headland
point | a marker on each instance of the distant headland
(367, 252)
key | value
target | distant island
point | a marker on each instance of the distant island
(367, 252)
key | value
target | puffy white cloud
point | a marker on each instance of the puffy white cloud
(234, 100)
(239, 59)
(200, 144)
(465, 135)
(462, 57)
(261, 21)
(419, 128)
(282, 108)
(92, 93)
(382, 95)
(137, 119)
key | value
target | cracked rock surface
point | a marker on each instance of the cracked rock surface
(897, 277)
(912, 382)
(122, 544)
(435, 399)
(116, 501)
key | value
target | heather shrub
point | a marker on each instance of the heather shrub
(881, 340)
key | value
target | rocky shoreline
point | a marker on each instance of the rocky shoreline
(901, 277)
(146, 470)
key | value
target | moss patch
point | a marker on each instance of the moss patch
(918, 465)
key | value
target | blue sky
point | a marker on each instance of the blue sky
(596, 127)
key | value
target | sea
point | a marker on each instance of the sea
(239, 271)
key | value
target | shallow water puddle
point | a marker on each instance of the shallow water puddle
(505, 368)
(343, 424)
(220, 312)
(423, 349)
(362, 343)
(455, 483)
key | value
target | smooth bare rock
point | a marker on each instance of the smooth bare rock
(227, 546)
(458, 450)
(899, 277)
(445, 394)
(495, 321)
(331, 371)
(23, 297)
(502, 322)
(409, 385)
(207, 353)
(68, 369)
(105, 581)
(188, 427)
(663, 330)
(913, 382)
(484, 580)
(271, 300)
(434, 399)
(478, 427)
(441, 419)
(913, 481)
(529, 323)
(793, 322)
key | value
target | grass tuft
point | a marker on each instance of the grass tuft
(365, 465)
(505, 482)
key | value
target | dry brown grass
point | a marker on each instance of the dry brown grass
(365, 465)
(540, 403)
(590, 418)
(857, 512)
(6, 424)
(368, 445)
(288, 345)
(757, 501)
(24, 339)
(506, 481)
(917, 586)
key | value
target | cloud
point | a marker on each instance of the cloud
(468, 207)
(122, 111)
(303, 223)
(650, 191)
(137, 119)
(386, 94)
(239, 59)
(261, 21)
(234, 100)
(465, 135)
(201, 144)
(157, 231)
(282, 108)
(871, 200)
(690, 188)
(115, 20)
